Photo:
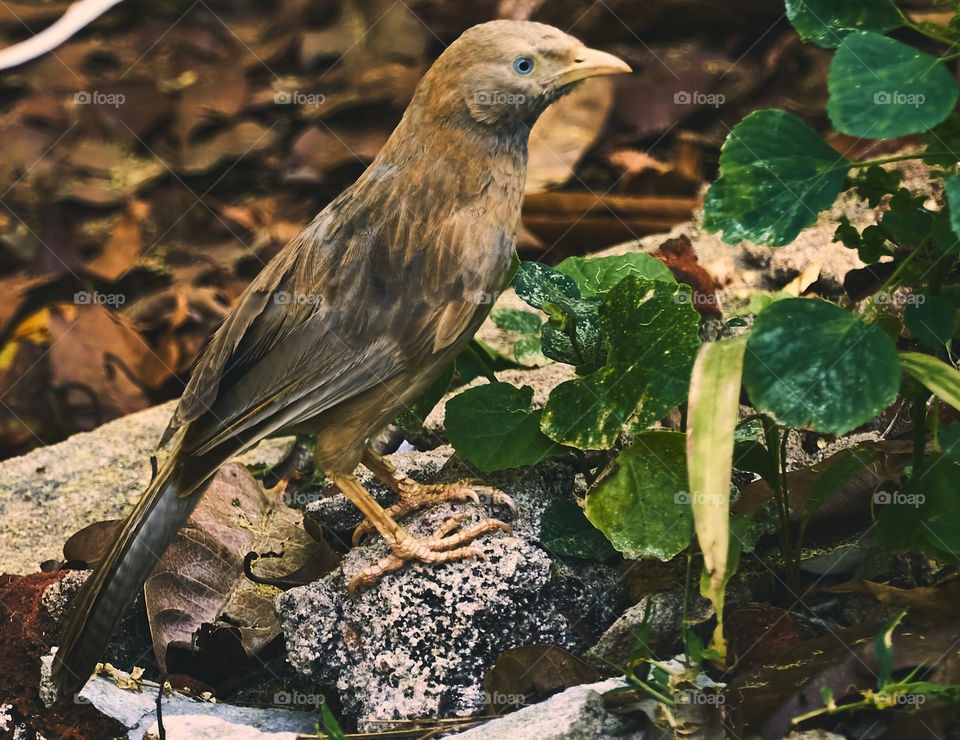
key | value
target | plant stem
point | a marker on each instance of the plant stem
(918, 410)
(867, 312)
(919, 28)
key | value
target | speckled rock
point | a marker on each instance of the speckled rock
(51, 492)
(575, 714)
(419, 642)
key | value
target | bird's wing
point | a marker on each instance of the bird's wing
(337, 312)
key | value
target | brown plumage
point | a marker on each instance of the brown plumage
(355, 317)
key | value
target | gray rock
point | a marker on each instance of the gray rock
(575, 714)
(136, 711)
(666, 618)
(419, 642)
(51, 492)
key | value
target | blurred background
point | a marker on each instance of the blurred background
(152, 164)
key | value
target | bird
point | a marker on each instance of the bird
(357, 315)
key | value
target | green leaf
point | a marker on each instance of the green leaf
(597, 275)
(527, 350)
(652, 339)
(565, 530)
(711, 422)
(907, 221)
(951, 187)
(331, 727)
(643, 507)
(941, 379)
(513, 319)
(881, 88)
(492, 426)
(477, 359)
(537, 283)
(950, 441)
(933, 321)
(815, 365)
(873, 183)
(944, 231)
(411, 418)
(943, 143)
(776, 175)
(826, 22)
(571, 317)
(883, 648)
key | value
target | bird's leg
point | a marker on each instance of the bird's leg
(439, 548)
(414, 496)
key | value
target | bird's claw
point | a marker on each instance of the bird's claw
(415, 496)
(441, 547)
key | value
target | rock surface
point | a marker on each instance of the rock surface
(51, 492)
(419, 642)
(575, 714)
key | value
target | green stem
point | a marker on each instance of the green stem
(922, 29)
(919, 413)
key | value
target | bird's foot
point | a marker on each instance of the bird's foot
(440, 548)
(415, 496)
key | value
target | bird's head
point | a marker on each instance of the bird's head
(505, 73)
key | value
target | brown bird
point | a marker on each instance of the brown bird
(358, 314)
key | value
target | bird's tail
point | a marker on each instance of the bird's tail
(94, 612)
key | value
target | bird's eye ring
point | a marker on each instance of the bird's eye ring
(523, 65)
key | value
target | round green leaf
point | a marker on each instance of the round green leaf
(512, 319)
(492, 426)
(826, 22)
(651, 332)
(537, 283)
(933, 321)
(776, 175)
(596, 275)
(881, 88)
(564, 530)
(814, 365)
(643, 507)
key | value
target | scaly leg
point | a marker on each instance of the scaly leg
(414, 496)
(439, 548)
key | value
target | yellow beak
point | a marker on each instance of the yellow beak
(592, 63)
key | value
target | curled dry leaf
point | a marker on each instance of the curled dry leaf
(200, 580)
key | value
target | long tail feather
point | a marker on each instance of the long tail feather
(96, 609)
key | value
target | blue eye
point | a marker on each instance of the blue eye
(523, 65)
